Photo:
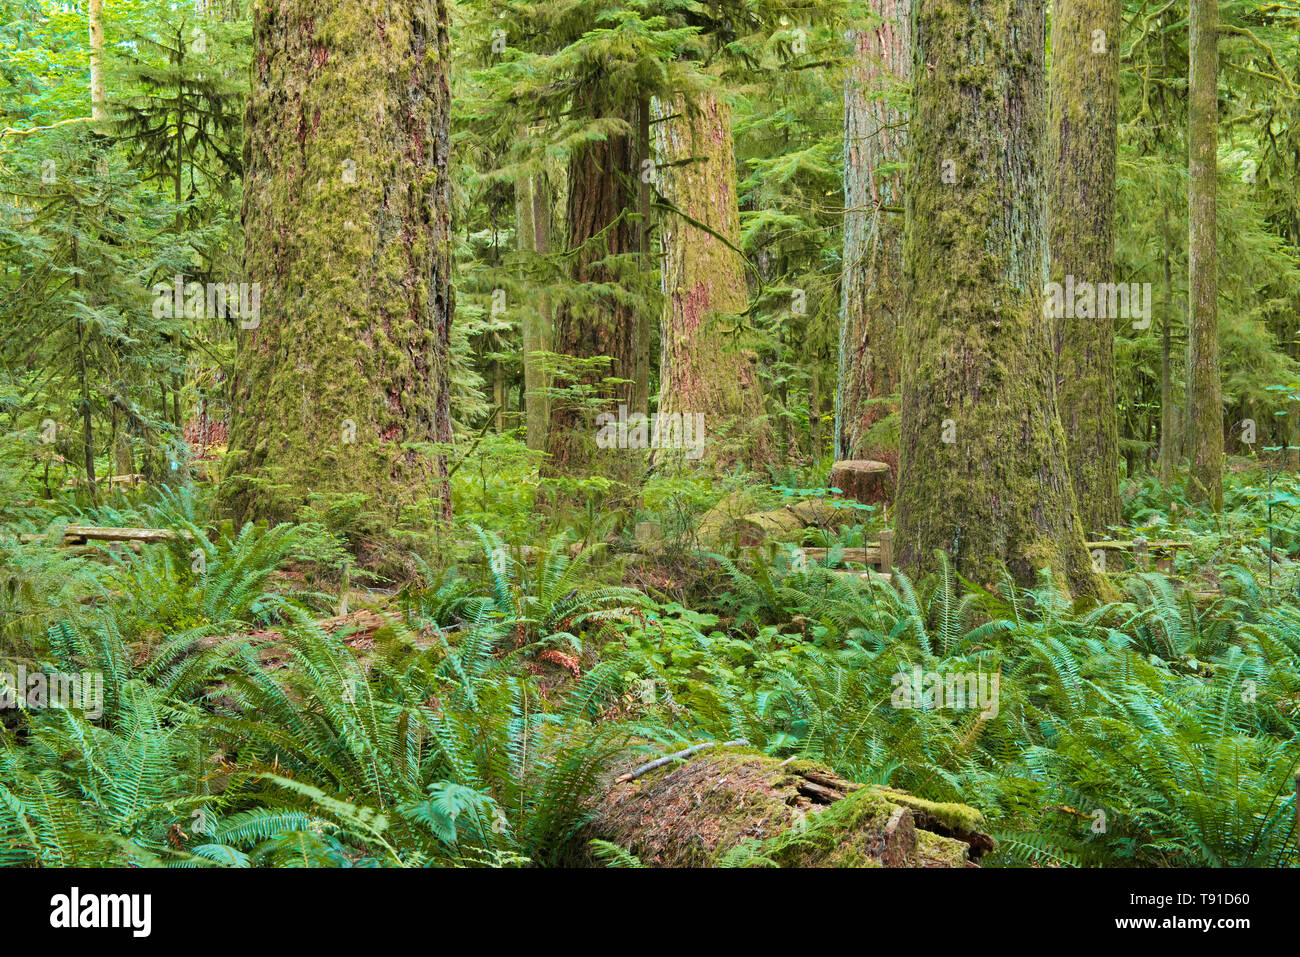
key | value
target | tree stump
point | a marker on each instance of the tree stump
(863, 480)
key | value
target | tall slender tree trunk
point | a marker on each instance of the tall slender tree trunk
(533, 216)
(1083, 117)
(702, 366)
(346, 229)
(1204, 391)
(644, 329)
(982, 472)
(599, 322)
(875, 147)
(1169, 432)
(83, 382)
(98, 94)
(1293, 418)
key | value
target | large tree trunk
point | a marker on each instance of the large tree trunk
(346, 228)
(98, 95)
(533, 217)
(1084, 110)
(701, 811)
(1204, 419)
(875, 147)
(597, 320)
(702, 367)
(982, 471)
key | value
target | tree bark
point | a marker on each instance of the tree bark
(1084, 109)
(533, 216)
(98, 96)
(599, 321)
(875, 148)
(982, 471)
(346, 229)
(1204, 419)
(644, 330)
(1169, 432)
(702, 368)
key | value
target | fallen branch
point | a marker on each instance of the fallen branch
(676, 756)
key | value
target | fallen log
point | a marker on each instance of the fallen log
(734, 802)
(870, 555)
(82, 534)
(781, 523)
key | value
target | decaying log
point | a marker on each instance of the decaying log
(81, 534)
(870, 555)
(782, 523)
(792, 813)
(865, 481)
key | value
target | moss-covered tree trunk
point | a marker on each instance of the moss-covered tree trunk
(533, 221)
(1084, 108)
(596, 319)
(982, 471)
(1170, 435)
(875, 149)
(346, 229)
(702, 369)
(1204, 420)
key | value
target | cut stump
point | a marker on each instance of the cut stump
(864, 481)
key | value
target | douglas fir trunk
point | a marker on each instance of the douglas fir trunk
(982, 472)
(597, 318)
(702, 368)
(346, 231)
(1083, 117)
(533, 218)
(875, 148)
(1204, 419)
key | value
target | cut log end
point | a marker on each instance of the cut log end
(865, 481)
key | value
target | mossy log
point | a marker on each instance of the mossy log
(781, 523)
(789, 813)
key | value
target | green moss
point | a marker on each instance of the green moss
(955, 817)
(839, 836)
